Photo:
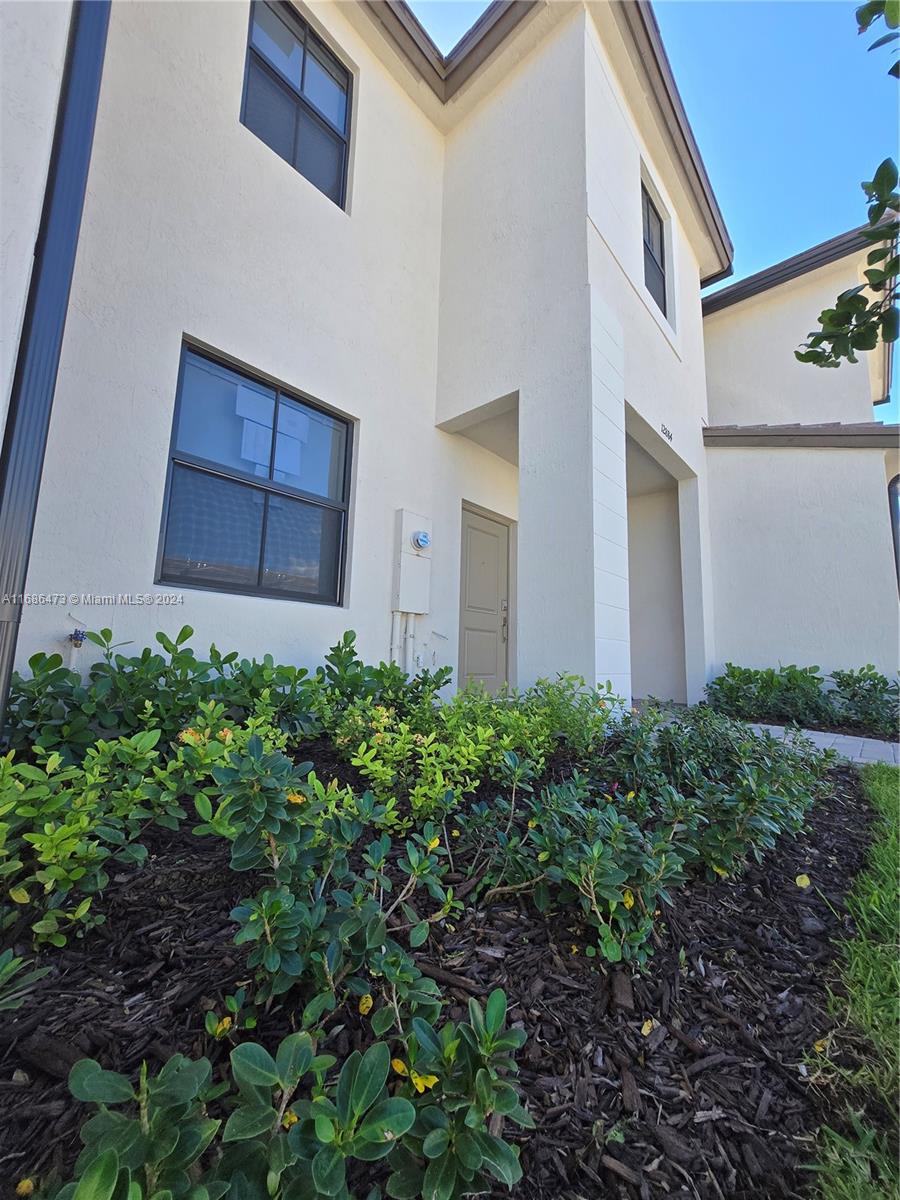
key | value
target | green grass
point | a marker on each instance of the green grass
(860, 1162)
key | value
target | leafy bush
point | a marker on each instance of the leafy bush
(866, 700)
(698, 792)
(862, 700)
(435, 755)
(789, 694)
(59, 826)
(55, 709)
(293, 1129)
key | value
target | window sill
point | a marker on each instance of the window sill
(194, 585)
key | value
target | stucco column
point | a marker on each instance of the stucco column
(696, 585)
(609, 508)
(555, 592)
(573, 534)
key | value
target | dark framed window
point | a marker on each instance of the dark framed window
(258, 488)
(654, 250)
(297, 97)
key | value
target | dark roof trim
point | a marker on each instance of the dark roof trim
(888, 348)
(834, 435)
(638, 18)
(445, 76)
(46, 308)
(791, 268)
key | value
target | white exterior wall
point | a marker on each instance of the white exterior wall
(33, 38)
(654, 575)
(501, 258)
(803, 561)
(514, 319)
(752, 375)
(192, 226)
(647, 361)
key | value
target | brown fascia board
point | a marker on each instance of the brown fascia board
(446, 75)
(638, 18)
(798, 265)
(888, 372)
(833, 435)
(835, 248)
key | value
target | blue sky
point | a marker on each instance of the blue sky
(775, 91)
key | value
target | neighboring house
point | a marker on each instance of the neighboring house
(803, 565)
(364, 337)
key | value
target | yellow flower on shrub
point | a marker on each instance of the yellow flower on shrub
(399, 1066)
(295, 798)
(191, 736)
(532, 824)
(223, 1026)
(454, 833)
(225, 735)
(422, 1082)
(628, 898)
(821, 1045)
(24, 1187)
(290, 1118)
(802, 881)
(434, 843)
(365, 1004)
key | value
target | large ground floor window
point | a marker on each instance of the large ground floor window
(258, 488)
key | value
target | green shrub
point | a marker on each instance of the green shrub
(787, 695)
(866, 700)
(59, 826)
(434, 755)
(863, 700)
(699, 792)
(294, 1127)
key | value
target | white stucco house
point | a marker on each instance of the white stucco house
(353, 335)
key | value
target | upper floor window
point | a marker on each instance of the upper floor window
(258, 488)
(297, 97)
(654, 251)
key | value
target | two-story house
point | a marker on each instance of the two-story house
(354, 335)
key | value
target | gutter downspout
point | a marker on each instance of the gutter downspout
(37, 363)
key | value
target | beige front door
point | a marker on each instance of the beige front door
(484, 604)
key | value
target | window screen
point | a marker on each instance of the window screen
(297, 97)
(258, 488)
(654, 251)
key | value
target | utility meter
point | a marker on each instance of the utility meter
(421, 539)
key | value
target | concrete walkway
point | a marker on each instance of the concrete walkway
(856, 749)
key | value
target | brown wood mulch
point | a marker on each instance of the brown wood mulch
(713, 1102)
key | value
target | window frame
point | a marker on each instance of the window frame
(193, 462)
(302, 29)
(648, 203)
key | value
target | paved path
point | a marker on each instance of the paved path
(856, 749)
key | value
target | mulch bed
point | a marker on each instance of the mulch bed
(713, 1103)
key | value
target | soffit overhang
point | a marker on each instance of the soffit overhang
(445, 85)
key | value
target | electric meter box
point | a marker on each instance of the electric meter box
(412, 562)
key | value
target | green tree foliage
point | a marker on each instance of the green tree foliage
(865, 315)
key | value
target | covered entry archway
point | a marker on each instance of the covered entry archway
(656, 595)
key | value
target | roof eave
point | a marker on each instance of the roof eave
(794, 267)
(445, 75)
(867, 436)
(638, 18)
